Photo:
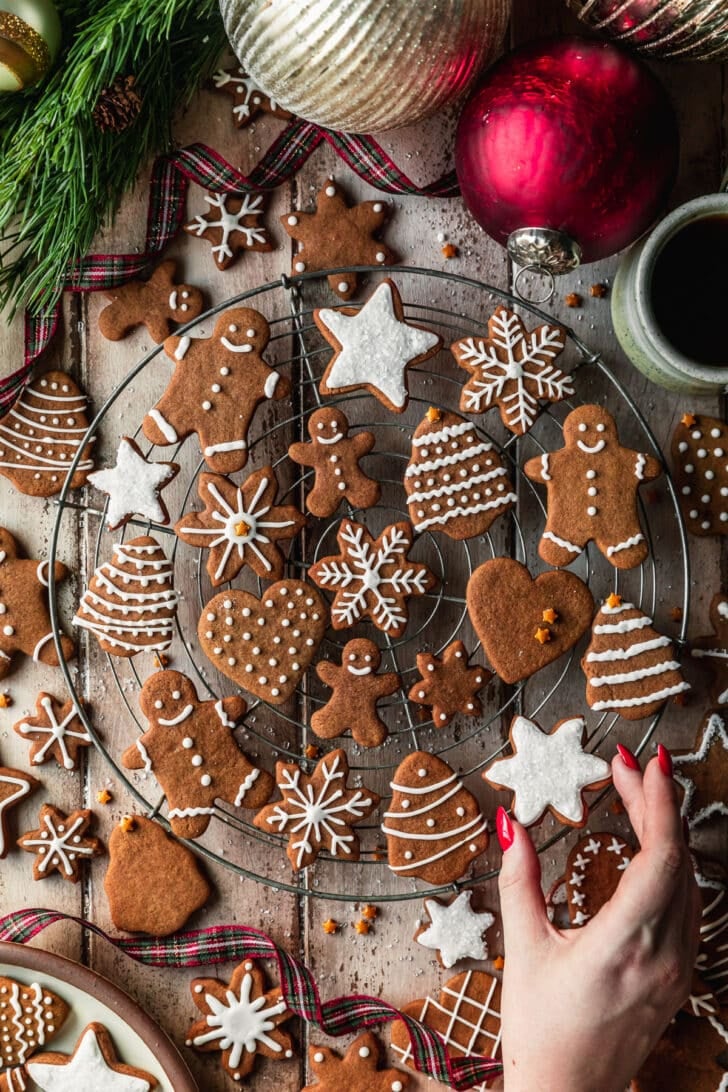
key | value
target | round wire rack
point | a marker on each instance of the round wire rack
(453, 306)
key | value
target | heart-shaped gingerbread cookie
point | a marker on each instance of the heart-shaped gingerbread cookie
(264, 645)
(525, 624)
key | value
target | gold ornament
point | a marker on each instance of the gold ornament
(30, 37)
(683, 30)
(363, 66)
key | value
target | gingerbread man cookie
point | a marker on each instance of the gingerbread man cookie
(448, 685)
(190, 748)
(712, 649)
(248, 99)
(357, 688)
(217, 384)
(160, 304)
(15, 785)
(231, 226)
(25, 624)
(592, 485)
(335, 457)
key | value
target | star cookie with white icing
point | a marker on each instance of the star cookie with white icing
(241, 1018)
(702, 772)
(93, 1067)
(56, 731)
(549, 771)
(357, 1071)
(134, 486)
(61, 843)
(374, 347)
(455, 930)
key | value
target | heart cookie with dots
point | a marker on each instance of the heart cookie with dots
(700, 467)
(265, 645)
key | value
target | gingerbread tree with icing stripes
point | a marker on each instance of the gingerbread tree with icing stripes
(630, 668)
(130, 604)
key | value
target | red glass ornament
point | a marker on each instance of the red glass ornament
(571, 135)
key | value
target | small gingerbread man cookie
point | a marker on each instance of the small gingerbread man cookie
(335, 457)
(159, 304)
(356, 690)
(215, 389)
(592, 485)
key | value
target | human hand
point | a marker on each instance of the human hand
(582, 1008)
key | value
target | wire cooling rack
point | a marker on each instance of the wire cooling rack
(272, 733)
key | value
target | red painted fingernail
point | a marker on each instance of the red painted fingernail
(504, 829)
(665, 759)
(627, 757)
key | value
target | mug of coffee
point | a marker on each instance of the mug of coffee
(670, 298)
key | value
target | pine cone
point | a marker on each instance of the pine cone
(118, 106)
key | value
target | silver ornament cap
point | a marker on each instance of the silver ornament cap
(544, 249)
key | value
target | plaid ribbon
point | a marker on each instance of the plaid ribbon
(202, 165)
(340, 1016)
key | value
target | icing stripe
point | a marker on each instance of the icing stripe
(164, 426)
(715, 653)
(545, 467)
(629, 703)
(633, 541)
(184, 715)
(189, 813)
(618, 609)
(180, 351)
(145, 756)
(421, 792)
(625, 626)
(98, 631)
(639, 467)
(448, 460)
(627, 653)
(35, 393)
(447, 433)
(40, 646)
(428, 807)
(633, 676)
(443, 853)
(562, 542)
(168, 597)
(247, 784)
(50, 464)
(457, 487)
(42, 426)
(452, 513)
(408, 836)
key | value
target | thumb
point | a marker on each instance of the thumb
(523, 907)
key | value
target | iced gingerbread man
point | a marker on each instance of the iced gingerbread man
(25, 625)
(335, 456)
(356, 690)
(190, 749)
(592, 485)
(217, 384)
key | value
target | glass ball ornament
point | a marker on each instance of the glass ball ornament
(363, 66)
(684, 30)
(30, 37)
(566, 152)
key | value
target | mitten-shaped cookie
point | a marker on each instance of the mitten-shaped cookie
(592, 485)
(25, 624)
(356, 690)
(216, 386)
(159, 304)
(334, 456)
(190, 749)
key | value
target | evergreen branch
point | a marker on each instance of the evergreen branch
(61, 177)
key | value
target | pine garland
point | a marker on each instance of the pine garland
(61, 175)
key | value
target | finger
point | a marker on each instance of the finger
(627, 777)
(523, 907)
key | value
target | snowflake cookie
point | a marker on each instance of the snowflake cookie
(241, 1018)
(240, 525)
(318, 810)
(549, 771)
(93, 1066)
(56, 731)
(134, 486)
(447, 685)
(702, 772)
(374, 347)
(372, 578)
(248, 98)
(455, 931)
(61, 843)
(357, 1071)
(513, 368)
(231, 226)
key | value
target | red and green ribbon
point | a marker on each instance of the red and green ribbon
(224, 943)
(202, 165)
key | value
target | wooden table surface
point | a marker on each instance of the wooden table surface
(386, 963)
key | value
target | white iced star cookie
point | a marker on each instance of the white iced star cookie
(456, 931)
(374, 347)
(92, 1067)
(133, 486)
(548, 771)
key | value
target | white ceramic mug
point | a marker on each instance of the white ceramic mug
(633, 315)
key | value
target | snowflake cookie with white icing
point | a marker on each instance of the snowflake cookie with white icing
(94, 1066)
(56, 731)
(231, 226)
(549, 771)
(455, 931)
(61, 843)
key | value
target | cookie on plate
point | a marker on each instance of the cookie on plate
(30, 1017)
(93, 1066)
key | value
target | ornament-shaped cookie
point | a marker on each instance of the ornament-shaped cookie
(41, 435)
(160, 304)
(702, 773)
(712, 650)
(591, 486)
(434, 826)
(130, 604)
(356, 689)
(30, 1017)
(335, 457)
(455, 480)
(700, 469)
(630, 668)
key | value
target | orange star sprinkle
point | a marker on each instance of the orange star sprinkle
(614, 600)
(542, 635)
(499, 963)
(330, 926)
(160, 660)
(369, 912)
(5, 701)
(676, 614)
(433, 414)
(312, 751)
(103, 796)
(127, 823)
(449, 251)
(550, 615)
(241, 528)
(688, 419)
(362, 927)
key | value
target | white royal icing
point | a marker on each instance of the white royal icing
(57, 732)
(229, 222)
(639, 467)
(86, 1071)
(132, 486)
(164, 426)
(628, 542)
(241, 1024)
(58, 847)
(456, 930)
(591, 449)
(26, 443)
(545, 467)
(562, 542)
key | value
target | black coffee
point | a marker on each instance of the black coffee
(689, 292)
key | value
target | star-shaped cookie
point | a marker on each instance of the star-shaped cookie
(455, 930)
(374, 347)
(241, 1018)
(372, 578)
(15, 785)
(56, 731)
(60, 843)
(549, 771)
(318, 810)
(240, 525)
(134, 485)
(231, 226)
(357, 1071)
(337, 234)
(448, 685)
(92, 1067)
(703, 772)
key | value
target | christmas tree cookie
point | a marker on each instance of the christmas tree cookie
(434, 826)
(630, 668)
(455, 480)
